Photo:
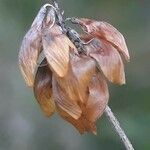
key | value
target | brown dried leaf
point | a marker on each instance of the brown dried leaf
(56, 49)
(43, 89)
(104, 30)
(108, 60)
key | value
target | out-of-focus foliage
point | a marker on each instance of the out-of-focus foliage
(23, 126)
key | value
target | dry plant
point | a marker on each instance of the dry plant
(69, 71)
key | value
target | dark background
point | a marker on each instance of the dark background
(23, 126)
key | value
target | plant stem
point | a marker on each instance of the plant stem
(116, 125)
(109, 114)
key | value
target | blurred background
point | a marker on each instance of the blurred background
(24, 127)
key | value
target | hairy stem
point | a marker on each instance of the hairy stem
(73, 36)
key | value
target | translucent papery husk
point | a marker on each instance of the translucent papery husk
(82, 95)
(56, 49)
(107, 58)
(43, 88)
(103, 30)
(31, 47)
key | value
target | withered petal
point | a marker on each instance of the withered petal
(43, 89)
(104, 30)
(108, 60)
(64, 102)
(56, 49)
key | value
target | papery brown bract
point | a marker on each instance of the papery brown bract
(62, 100)
(98, 97)
(103, 30)
(76, 94)
(56, 49)
(108, 60)
(43, 89)
(93, 108)
(76, 81)
(83, 69)
(28, 55)
(31, 47)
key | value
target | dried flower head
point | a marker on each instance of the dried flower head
(69, 81)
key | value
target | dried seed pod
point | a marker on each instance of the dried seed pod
(103, 30)
(31, 47)
(43, 89)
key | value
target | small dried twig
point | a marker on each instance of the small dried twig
(73, 36)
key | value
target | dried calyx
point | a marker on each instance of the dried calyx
(74, 81)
